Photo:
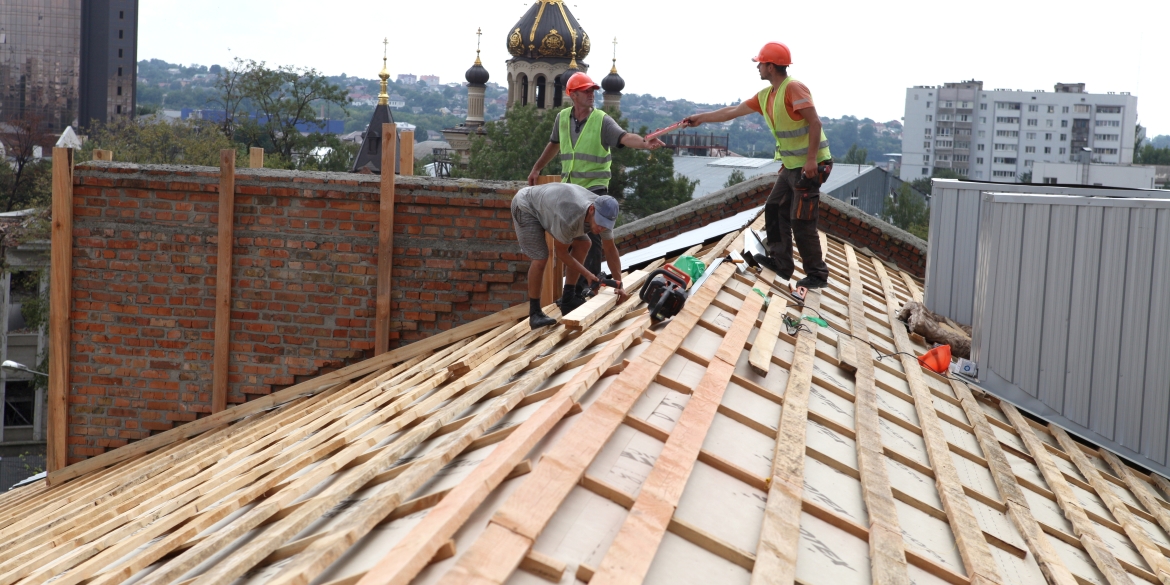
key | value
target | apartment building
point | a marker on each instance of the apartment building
(997, 135)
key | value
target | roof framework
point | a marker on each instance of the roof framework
(714, 448)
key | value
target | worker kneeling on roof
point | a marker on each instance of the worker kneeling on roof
(567, 212)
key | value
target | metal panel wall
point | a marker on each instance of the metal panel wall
(954, 234)
(1071, 315)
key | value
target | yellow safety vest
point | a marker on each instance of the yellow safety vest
(588, 162)
(791, 135)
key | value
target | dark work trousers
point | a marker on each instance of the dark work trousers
(593, 258)
(788, 215)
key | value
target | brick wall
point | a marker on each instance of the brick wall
(837, 218)
(303, 286)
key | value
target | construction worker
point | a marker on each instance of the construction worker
(585, 137)
(567, 212)
(791, 209)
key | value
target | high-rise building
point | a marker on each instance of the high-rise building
(109, 57)
(998, 134)
(40, 43)
(68, 61)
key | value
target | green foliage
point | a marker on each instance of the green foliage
(510, 146)
(339, 157)
(736, 177)
(1024, 177)
(923, 185)
(25, 181)
(908, 211)
(855, 156)
(282, 98)
(158, 141)
(652, 185)
(1149, 154)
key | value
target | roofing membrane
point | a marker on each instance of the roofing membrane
(716, 447)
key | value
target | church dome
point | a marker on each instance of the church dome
(613, 83)
(477, 75)
(548, 31)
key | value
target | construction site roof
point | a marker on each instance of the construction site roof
(724, 445)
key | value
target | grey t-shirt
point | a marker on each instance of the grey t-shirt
(611, 133)
(561, 208)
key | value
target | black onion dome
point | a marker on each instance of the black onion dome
(548, 31)
(564, 77)
(613, 83)
(477, 75)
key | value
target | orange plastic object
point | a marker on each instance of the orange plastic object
(776, 54)
(937, 360)
(580, 81)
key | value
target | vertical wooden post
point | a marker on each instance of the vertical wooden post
(256, 157)
(99, 154)
(548, 282)
(223, 280)
(5, 282)
(407, 156)
(61, 262)
(385, 240)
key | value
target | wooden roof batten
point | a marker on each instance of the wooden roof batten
(715, 447)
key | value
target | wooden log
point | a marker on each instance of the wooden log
(385, 241)
(973, 548)
(765, 343)
(629, 556)
(887, 549)
(106, 155)
(313, 386)
(256, 157)
(406, 158)
(61, 263)
(223, 280)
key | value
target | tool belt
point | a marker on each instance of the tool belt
(807, 191)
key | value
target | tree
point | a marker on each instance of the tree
(25, 180)
(923, 185)
(159, 141)
(508, 148)
(285, 99)
(855, 156)
(736, 177)
(1024, 177)
(652, 185)
(908, 211)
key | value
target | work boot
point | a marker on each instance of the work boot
(570, 299)
(536, 317)
(811, 282)
(770, 264)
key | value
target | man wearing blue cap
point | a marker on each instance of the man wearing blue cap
(567, 212)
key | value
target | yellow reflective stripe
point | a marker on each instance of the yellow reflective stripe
(824, 144)
(793, 133)
(593, 175)
(591, 158)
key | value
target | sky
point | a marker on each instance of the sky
(858, 58)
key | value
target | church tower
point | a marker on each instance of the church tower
(369, 158)
(545, 43)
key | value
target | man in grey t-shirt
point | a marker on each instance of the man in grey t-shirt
(563, 210)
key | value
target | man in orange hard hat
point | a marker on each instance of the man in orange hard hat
(791, 210)
(585, 138)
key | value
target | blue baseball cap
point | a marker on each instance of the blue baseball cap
(605, 211)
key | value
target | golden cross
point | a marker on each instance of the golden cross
(385, 44)
(615, 49)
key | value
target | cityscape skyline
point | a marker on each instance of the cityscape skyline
(662, 53)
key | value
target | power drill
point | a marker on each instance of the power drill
(665, 292)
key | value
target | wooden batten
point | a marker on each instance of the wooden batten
(105, 155)
(61, 261)
(256, 157)
(406, 158)
(223, 280)
(385, 241)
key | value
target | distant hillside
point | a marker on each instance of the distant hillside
(432, 108)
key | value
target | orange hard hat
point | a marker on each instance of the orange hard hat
(775, 53)
(937, 360)
(579, 82)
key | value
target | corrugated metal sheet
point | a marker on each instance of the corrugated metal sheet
(954, 234)
(1071, 315)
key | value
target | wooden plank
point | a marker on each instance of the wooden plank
(548, 278)
(765, 342)
(780, 533)
(1145, 546)
(887, 549)
(1067, 499)
(106, 155)
(629, 556)
(385, 240)
(406, 159)
(61, 263)
(548, 568)
(1139, 488)
(1051, 565)
(595, 308)
(221, 361)
(313, 386)
(403, 562)
(256, 157)
(528, 510)
(968, 535)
